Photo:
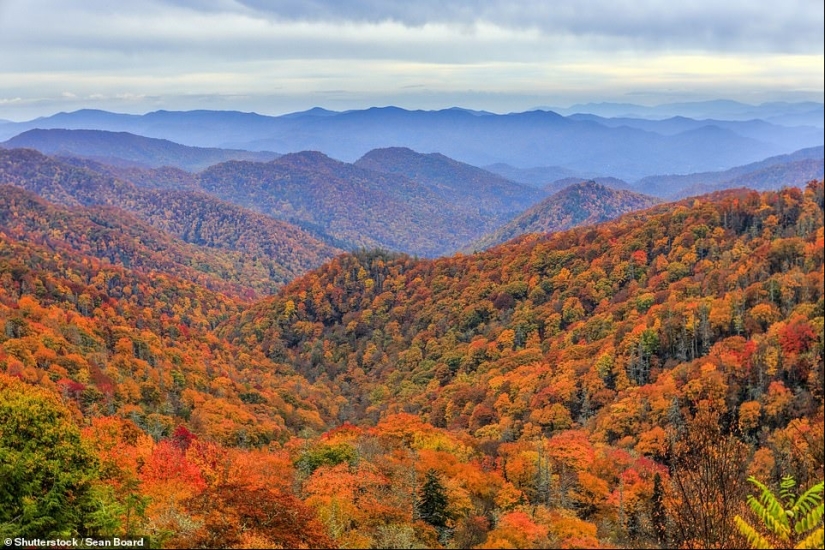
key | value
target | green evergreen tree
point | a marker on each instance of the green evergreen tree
(46, 472)
(431, 505)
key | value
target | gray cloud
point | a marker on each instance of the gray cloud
(212, 26)
(777, 26)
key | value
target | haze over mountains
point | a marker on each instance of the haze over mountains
(583, 145)
(123, 148)
(802, 165)
(405, 194)
(778, 112)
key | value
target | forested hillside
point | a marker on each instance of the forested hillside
(117, 238)
(582, 203)
(457, 183)
(264, 252)
(296, 211)
(357, 206)
(610, 385)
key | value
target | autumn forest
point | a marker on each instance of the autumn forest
(405, 352)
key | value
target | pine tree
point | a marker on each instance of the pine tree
(432, 503)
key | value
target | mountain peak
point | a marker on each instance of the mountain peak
(585, 202)
(307, 158)
(313, 112)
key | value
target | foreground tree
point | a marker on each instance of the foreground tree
(46, 472)
(786, 521)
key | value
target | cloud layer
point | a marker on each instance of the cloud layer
(791, 26)
(275, 56)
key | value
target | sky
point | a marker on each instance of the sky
(274, 57)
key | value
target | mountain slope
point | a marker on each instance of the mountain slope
(538, 176)
(270, 251)
(166, 177)
(612, 183)
(673, 185)
(456, 182)
(122, 148)
(342, 205)
(585, 203)
(776, 176)
(360, 207)
(119, 238)
(130, 343)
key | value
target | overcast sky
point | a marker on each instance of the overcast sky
(276, 56)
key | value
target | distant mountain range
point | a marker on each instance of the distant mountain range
(773, 173)
(785, 170)
(784, 113)
(574, 146)
(788, 174)
(794, 137)
(583, 203)
(125, 149)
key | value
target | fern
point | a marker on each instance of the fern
(754, 538)
(814, 540)
(809, 520)
(786, 489)
(807, 512)
(809, 500)
(769, 510)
